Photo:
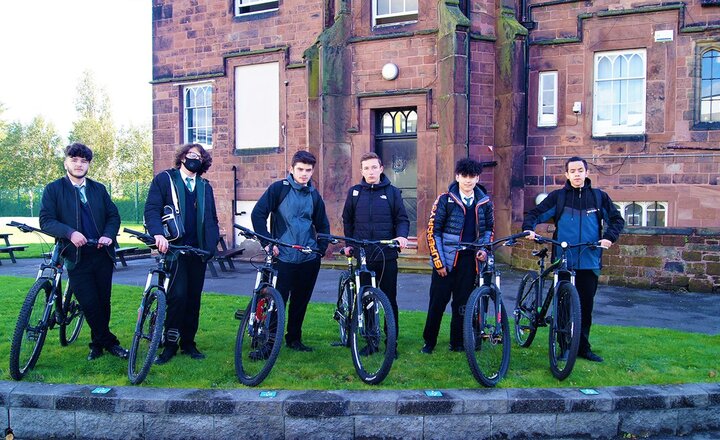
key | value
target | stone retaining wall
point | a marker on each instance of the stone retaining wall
(40, 411)
(658, 258)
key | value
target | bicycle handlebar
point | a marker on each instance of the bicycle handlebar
(247, 233)
(360, 243)
(149, 240)
(566, 245)
(508, 241)
(27, 228)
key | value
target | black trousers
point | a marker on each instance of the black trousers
(457, 284)
(386, 277)
(295, 283)
(91, 281)
(586, 282)
(183, 299)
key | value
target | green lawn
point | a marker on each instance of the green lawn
(633, 356)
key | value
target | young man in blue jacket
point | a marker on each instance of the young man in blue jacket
(197, 208)
(75, 209)
(579, 212)
(297, 215)
(374, 210)
(463, 213)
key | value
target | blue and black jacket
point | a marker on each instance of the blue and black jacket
(579, 222)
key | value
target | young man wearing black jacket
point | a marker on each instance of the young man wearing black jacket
(197, 209)
(374, 210)
(463, 213)
(297, 215)
(579, 220)
(75, 208)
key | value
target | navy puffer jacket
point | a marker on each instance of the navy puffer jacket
(447, 219)
(375, 212)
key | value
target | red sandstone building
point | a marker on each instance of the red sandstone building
(634, 87)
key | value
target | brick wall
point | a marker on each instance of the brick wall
(661, 258)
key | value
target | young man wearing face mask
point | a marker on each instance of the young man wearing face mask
(297, 215)
(463, 213)
(75, 209)
(197, 209)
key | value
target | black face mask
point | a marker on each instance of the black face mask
(193, 165)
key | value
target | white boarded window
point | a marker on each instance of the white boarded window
(547, 99)
(197, 119)
(257, 106)
(619, 98)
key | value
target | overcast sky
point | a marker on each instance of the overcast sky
(46, 45)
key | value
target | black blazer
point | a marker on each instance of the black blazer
(159, 195)
(60, 214)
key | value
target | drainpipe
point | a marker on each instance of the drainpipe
(467, 80)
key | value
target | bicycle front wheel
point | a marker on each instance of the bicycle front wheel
(148, 332)
(373, 338)
(565, 331)
(31, 328)
(342, 310)
(526, 309)
(73, 320)
(486, 336)
(259, 337)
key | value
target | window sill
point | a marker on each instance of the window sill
(619, 137)
(252, 151)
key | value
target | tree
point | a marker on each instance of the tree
(133, 156)
(95, 127)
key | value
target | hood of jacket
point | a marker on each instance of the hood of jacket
(384, 181)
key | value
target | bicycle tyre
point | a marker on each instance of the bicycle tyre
(148, 332)
(374, 365)
(257, 348)
(526, 310)
(31, 328)
(342, 310)
(488, 353)
(73, 319)
(565, 336)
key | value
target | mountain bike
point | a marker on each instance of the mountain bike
(151, 313)
(364, 314)
(46, 305)
(262, 323)
(486, 331)
(559, 310)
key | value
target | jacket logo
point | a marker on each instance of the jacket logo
(355, 193)
(383, 197)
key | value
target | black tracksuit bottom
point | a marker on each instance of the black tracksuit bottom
(586, 282)
(295, 283)
(91, 281)
(183, 300)
(457, 284)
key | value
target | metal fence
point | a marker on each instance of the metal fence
(25, 202)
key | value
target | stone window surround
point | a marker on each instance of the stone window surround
(186, 88)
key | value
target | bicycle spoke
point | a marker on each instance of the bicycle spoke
(373, 337)
(486, 337)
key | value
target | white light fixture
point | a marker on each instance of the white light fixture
(390, 71)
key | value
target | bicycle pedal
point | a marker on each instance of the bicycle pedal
(239, 314)
(337, 316)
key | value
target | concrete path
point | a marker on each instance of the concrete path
(691, 312)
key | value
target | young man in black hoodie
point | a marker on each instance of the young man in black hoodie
(374, 210)
(75, 209)
(463, 213)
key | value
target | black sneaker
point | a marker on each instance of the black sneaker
(426, 349)
(95, 352)
(117, 350)
(299, 346)
(168, 353)
(589, 355)
(193, 352)
(456, 348)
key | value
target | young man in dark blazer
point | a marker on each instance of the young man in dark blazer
(197, 208)
(75, 208)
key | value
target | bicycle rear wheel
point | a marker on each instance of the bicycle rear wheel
(148, 332)
(342, 310)
(565, 331)
(373, 341)
(526, 309)
(486, 336)
(31, 328)
(73, 320)
(259, 337)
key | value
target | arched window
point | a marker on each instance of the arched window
(710, 87)
(643, 213)
(633, 214)
(399, 122)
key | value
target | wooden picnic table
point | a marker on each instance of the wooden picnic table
(10, 249)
